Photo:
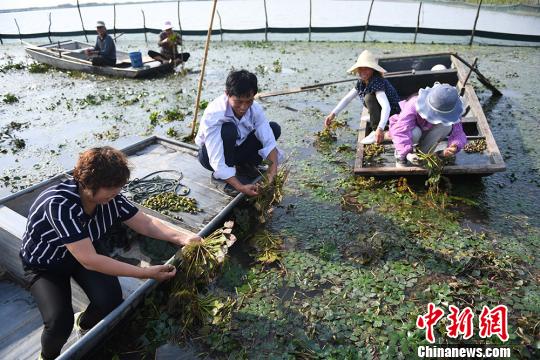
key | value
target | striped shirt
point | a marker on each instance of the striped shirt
(57, 218)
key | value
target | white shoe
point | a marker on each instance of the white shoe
(370, 139)
(80, 331)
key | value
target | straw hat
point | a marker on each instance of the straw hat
(100, 24)
(440, 104)
(366, 59)
(167, 25)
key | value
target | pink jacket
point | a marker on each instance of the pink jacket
(402, 124)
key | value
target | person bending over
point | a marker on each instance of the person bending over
(65, 226)
(235, 136)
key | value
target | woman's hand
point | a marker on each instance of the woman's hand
(161, 272)
(379, 135)
(328, 120)
(450, 151)
(193, 240)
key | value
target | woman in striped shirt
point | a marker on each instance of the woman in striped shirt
(65, 223)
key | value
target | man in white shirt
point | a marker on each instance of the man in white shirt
(235, 136)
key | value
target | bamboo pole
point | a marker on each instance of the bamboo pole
(417, 22)
(82, 23)
(462, 92)
(220, 27)
(179, 22)
(475, 21)
(180, 34)
(367, 21)
(19, 30)
(50, 40)
(144, 27)
(320, 85)
(114, 21)
(310, 7)
(266, 22)
(201, 77)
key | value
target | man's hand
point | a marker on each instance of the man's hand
(450, 151)
(249, 189)
(161, 272)
(379, 135)
(328, 120)
(88, 52)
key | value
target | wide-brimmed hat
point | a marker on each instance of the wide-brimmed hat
(366, 59)
(440, 104)
(167, 25)
(100, 24)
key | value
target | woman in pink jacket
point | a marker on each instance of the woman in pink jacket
(425, 120)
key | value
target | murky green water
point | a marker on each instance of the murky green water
(320, 235)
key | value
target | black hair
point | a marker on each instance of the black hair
(241, 83)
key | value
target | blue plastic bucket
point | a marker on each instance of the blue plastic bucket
(136, 59)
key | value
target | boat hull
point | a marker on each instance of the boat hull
(414, 73)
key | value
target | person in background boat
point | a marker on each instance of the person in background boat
(104, 52)
(235, 136)
(425, 120)
(375, 92)
(168, 41)
(62, 241)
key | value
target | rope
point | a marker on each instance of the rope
(145, 187)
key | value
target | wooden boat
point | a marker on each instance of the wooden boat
(69, 55)
(21, 322)
(412, 73)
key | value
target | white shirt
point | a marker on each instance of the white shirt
(219, 112)
(381, 97)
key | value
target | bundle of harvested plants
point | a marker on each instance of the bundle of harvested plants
(201, 261)
(270, 194)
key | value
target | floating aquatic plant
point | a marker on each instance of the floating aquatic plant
(173, 115)
(38, 68)
(10, 98)
(325, 136)
(203, 104)
(277, 67)
(10, 65)
(268, 246)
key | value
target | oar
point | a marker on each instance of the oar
(481, 77)
(318, 86)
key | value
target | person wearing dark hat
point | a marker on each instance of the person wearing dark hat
(375, 92)
(168, 42)
(425, 120)
(104, 52)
